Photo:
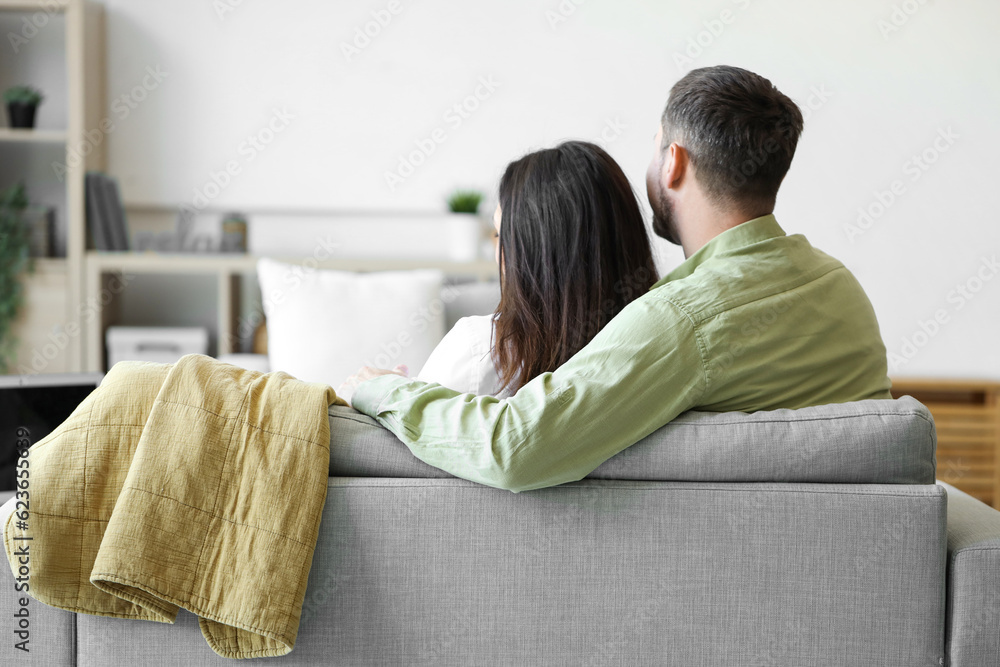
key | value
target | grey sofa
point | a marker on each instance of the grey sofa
(807, 537)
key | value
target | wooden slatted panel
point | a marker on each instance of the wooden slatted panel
(967, 417)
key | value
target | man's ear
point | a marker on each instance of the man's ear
(676, 166)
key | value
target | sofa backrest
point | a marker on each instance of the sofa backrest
(866, 442)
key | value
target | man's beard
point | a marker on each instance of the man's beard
(664, 221)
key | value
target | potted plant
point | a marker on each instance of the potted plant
(465, 229)
(22, 102)
(14, 260)
(465, 201)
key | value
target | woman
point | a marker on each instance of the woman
(573, 251)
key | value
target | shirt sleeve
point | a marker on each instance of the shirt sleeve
(642, 370)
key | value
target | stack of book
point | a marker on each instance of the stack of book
(105, 213)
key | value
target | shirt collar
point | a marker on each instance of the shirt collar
(740, 236)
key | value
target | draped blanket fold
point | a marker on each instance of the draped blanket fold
(196, 485)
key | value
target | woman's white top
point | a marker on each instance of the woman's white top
(462, 360)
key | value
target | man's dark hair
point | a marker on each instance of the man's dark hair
(739, 131)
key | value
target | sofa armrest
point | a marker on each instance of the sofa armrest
(50, 632)
(972, 631)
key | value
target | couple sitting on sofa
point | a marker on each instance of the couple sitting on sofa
(586, 356)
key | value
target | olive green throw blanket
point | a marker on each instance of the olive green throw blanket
(196, 485)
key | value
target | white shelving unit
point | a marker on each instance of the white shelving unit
(14, 135)
(64, 57)
(108, 274)
(72, 299)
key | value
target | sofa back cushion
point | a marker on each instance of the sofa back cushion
(865, 442)
(323, 325)
(467, 299)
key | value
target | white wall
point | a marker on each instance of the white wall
(879, 98)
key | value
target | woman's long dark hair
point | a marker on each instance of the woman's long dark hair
(573, 252)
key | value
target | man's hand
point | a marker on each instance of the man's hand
(346, 390)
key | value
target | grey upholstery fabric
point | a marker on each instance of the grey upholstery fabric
(440, 571)
(360, 447)
(973, 618)
(52, 632)
(446, 572)
(867, 442)
(612, 573)
(119, 641)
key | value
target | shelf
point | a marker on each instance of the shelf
(943, 385)
(50, 266)
(148, 262)
(101, 268)
(33, 136)
(37, 6)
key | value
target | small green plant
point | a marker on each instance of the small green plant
(23, 95)
(465, 201)
(14, 260)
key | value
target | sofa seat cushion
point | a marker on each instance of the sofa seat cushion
(866, 442)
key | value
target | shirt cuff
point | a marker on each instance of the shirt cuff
(369, 395)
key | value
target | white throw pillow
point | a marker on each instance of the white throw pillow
(322, 326)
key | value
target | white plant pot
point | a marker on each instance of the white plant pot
(465, 231)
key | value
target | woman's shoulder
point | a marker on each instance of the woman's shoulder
(478, 331)
(476, 325)
(462, 360)
(482, 321)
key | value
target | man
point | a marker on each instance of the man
(752, 320)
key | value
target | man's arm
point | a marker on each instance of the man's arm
(642, 370)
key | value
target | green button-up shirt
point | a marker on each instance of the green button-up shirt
(755, 320)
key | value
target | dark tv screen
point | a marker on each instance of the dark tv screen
(38, 405)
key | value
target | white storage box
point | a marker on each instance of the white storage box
(163, 345)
